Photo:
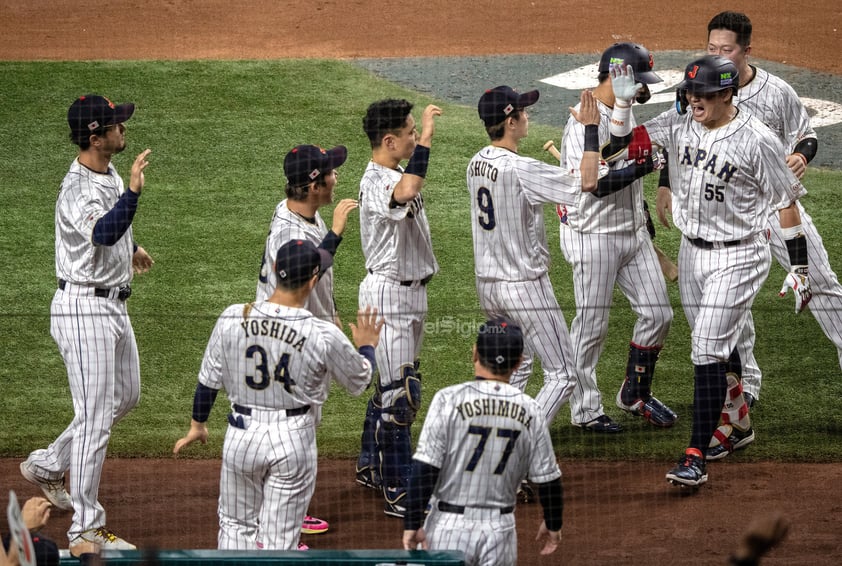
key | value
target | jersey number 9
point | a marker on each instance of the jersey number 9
(486, 207)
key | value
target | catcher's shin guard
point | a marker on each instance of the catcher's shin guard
(394, 443)
(368, 463)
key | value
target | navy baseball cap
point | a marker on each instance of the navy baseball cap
(299, 260)
(497, 103)
(499, 344)
(46, 550)
(92, 112)
(304, 163)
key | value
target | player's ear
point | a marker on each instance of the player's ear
(388, 141)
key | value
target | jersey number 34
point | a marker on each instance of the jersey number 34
(262, 378)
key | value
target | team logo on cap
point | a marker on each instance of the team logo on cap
(692, 74)
(93, 125)
(508, 109)
(314, 173)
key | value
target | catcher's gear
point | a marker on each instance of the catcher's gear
(525, 493)
(406, 399)
(798, 280)
(634, 55)
(711, 73)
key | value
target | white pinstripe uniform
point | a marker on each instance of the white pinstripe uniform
(776, 104)
(273, 360)
(397, 247)
(606, 242)
(94, 336)
(481, 476)
(722, 183)
(286, 225)
(507, 194)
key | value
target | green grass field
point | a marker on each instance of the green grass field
(219, 131)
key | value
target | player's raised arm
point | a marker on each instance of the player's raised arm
(416, 170)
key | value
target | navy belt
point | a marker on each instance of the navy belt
(460, 509)
(411, 282)
(289, 412)
(705, 245)
(123, 294)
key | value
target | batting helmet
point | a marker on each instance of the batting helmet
(630, 54)
(711, 73)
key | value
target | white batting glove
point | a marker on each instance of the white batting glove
(798, 280)
(623, 83)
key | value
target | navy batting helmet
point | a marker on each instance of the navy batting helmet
(711, 73)
(632, 54)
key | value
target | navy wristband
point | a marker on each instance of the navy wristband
(591, 137)
(418, 162)
(797, 249)
(203, 401)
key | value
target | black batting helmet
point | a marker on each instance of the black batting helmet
(711, 73)
(632, 54)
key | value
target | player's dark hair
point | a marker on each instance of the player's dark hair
(301, 192)
(385, 117)
(83, 140)
(733, 21)
(497, 131)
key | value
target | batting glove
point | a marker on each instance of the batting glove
(622, 81)
(799, 282)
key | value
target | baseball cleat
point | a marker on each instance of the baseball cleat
(602, 423)
(366, 478)
(53, 489)
(394, 504)
(314, 526)
(104, 538)
(653, 410)
(726, 439)
(690, 470)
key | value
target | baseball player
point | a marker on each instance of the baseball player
(605, 239)
(95, 258)
(311, 179)
(276, 361)
(508, 192)
(725, 170)
(480, 440)
(777, 105)
(400, 262)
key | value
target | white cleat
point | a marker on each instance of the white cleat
(53, 488)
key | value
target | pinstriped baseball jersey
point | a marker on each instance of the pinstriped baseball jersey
(287, 225)
(395, 238)
(485, 437)
(507, 194)
(717, 175)
(775, 103)
(279, 357)
(85, 197)
(621, 211)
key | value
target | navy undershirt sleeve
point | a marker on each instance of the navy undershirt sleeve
(110, 228)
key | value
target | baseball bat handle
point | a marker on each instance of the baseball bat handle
(550, 146)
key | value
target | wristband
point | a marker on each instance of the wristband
(792, 232)
(620, 120)
(797, 250)
(418, 162)
(591, 137)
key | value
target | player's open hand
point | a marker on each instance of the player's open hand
(198, 431)
(415, 540)
(553, 538)
(623, 83)
(141, 261)
(340, 214)
(367, 330)
(138, 179)
(588, 113)
(428, 124)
